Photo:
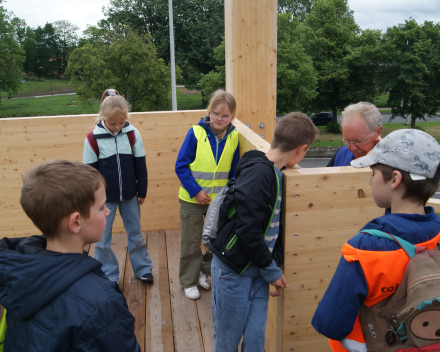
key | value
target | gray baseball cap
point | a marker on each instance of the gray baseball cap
(409, 150)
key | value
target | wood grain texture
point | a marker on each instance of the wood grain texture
(158, 323)
(134, 291)
(186, 326)
(250, 58)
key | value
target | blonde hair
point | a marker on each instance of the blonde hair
(114, 104)
(222, 97)
(108, 93)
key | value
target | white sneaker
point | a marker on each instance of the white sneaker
(203, 281)
(192, 292)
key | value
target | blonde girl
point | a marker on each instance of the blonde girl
(206, 161)
(116, 150)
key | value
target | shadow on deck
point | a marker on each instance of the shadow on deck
(165, 320)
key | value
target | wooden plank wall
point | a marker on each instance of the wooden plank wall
(26, 142)
(251, 61)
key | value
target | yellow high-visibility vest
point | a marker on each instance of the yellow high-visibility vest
(211, 177)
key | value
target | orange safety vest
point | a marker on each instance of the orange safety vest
(382, 283)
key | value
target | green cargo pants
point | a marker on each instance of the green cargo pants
(192, 261)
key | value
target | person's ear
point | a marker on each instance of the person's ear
(302, 149)
(396, 179)
(74, 222)
(379, 133)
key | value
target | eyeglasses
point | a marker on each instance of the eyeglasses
(218, 116)
(357, 143)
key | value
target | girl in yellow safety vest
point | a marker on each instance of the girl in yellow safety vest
(206, 162)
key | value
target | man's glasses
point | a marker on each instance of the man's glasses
(356, 143)
(216, 115)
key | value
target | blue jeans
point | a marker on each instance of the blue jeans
(137, 250)
(239, 308)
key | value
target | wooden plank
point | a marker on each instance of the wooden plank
(134, 291)
(158, 321)
(250, 58)
(187, 334)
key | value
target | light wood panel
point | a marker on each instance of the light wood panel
(26, 142)
(250, 45)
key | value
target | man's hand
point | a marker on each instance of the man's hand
(279, 285)
(202, 198)
(141, 201)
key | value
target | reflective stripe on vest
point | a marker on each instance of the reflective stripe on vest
(382, 282)
(210, 176)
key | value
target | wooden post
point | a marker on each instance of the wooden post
(251, 61)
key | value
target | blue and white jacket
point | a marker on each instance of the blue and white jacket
(124, 172)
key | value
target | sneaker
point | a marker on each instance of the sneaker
(203, 281)
(147, 277)
(192, 292)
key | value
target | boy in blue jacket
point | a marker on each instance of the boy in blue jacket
(57, 298)
(404, 176)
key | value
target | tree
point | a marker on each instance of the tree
(344, 58)
(12, 55)
(198, 24)
(298, 8)
(296, 77)
(66, 35)
(411, 69)
(124, 61)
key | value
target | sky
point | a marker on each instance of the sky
(369, 14)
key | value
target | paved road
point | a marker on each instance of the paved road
(322, 162)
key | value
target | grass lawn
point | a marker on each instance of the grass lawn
(326, 139)
(47, 106)
(42, 87)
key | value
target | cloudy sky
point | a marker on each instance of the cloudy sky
(372, 14)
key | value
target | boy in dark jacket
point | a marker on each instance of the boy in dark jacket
(57, 298)
(248, 250)
(404, 176)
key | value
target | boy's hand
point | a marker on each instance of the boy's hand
(141, 201)
(279, 285)
(202, 198)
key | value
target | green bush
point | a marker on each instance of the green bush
(333, 127)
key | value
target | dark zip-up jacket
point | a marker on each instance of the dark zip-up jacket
(124, 169)
(255, 194)
(59, 302)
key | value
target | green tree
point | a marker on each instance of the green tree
(66, 35)
(296, 77)
(298, 8)
(411, 71)
(12, 55)
(124, 61)
(344, 57)
(198, 28)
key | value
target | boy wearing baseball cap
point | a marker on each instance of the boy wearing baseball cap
(405, 175)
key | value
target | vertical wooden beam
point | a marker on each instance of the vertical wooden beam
(251, 61)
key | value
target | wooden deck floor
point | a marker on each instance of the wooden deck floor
(166, 320)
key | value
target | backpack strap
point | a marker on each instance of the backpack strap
(93, 143)
(409, 248)
(131, 139)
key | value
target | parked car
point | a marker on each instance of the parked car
(321, 118)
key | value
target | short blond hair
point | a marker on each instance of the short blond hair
(55, 189)
(222, 97)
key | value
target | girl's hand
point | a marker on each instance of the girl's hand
(202, 198)
(141, 201)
